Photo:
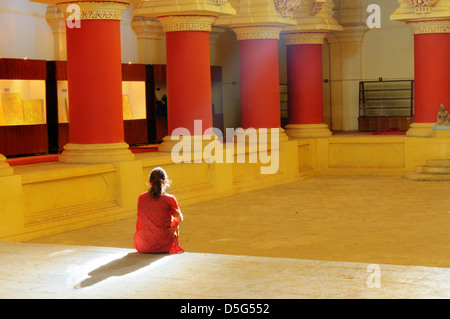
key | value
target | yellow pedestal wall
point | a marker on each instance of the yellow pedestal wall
(49, 198)
(11, 205)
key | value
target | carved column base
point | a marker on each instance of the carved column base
(189, 149)
(96, 153)
(196, 143)
(307, 130)
(261, 136)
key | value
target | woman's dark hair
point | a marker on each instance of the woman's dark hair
(157, 179)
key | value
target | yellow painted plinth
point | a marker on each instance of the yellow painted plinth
(307, 130)
(96, 153)
(441, 131)
(47, 198)
(5, 169)
(11, 205)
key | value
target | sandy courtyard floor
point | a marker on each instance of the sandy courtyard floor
(367, 219)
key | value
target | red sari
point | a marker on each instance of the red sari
(154, 231)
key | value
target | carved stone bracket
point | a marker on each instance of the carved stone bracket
(287, 7)
(317, 6)
(147, 28)
(422, 6)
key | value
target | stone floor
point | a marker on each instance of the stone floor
(62, 271)
(314, 238)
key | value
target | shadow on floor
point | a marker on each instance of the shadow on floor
(120, 267)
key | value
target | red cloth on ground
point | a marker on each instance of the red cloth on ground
(154, 231)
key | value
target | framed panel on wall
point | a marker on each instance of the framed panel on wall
(134, 101)
(23, 114)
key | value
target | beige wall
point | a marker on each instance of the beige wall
(360, 53)
(388, 52)
(227, 55)
(128, 38)
(24, 31)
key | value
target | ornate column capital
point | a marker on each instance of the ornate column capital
(187, 22)
(94, 10)
(190, 15)
(410, 10)
(303, 37)
(254, 32)
(430, 26)
(422, 6)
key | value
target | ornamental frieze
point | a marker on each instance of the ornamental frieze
(187, 23)
(257, 32)
(430, 26)
(93, 10)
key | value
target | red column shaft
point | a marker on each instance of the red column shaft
(94, 74)
(188, 74)
(304, 76)
(432, 75)
(259, 76)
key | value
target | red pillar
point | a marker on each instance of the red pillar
(305, 87)
(259, 77)
(432, 75)
(188, 80)
(304, 76)
(94, 74)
